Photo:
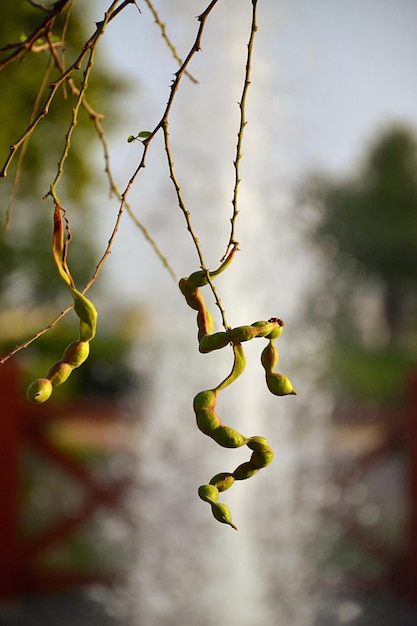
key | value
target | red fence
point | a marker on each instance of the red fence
(23, 425)
(395, 435)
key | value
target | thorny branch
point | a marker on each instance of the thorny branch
(242, 126)
(66, 78)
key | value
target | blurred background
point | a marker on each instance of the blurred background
(101, 520)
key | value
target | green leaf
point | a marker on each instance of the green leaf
(144, 134)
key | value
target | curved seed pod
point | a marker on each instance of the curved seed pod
(193, 296)
(186, 289)
(189, 287)
(266, 328)
(222, 481)
(262, 459)
(222, 514)
(199, 278)
(196, 280)
(208, 421)
(269, 357)
(205, 324)
(278, 329)
(83, 307)
(208, 493)
(244, 471)
(245, 333)
(258, 443)
(278, 384)
(87, 313)
(76, 353)
(205, 400)
(227, 437)
(59, 372)
(216, 341)
(60, 245)
(260, 328)
(242, 333)
(262, 456)
(39, 391)
(239, 364)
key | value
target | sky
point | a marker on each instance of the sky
(335, 69)
(349, 69)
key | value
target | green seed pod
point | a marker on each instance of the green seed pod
(205, 324)
(216, 341)
(196, 280)
(193, 296)
(222, 514)
(87, 313)
(204, 400)
(227, 437)
(39, 391)
(186, 290)
(76, 353)
(279, 385)
(244, 471)
(59, 372)
(242, 333)
(222, 481)
(239, 364)
(265, 329)
(278, 329)
(260, 328)
(207, 421)
(261, 459)
(199, 278)
(208, 493)
(260, 444)
(269, 357)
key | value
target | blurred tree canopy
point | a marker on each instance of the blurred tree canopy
(27, 272)
(366, 228)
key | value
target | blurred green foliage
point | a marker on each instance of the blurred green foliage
(27, 272)
(372, 374)
(366, 229)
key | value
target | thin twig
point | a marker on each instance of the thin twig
(16, 181)
(74, 118)
(242, 126)
(152, 242)
(27, 343)
(202, 18)
(22, 48)
(165, 37)
(114, 189)
(147, 142)
(190, 228)
(54, 86)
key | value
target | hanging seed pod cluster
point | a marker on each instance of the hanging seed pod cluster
(205, 401)
(77, 351)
